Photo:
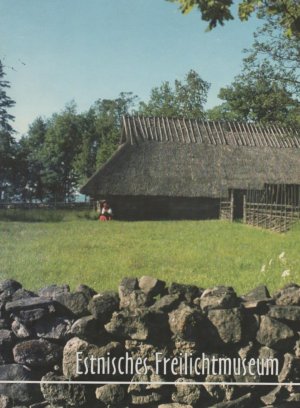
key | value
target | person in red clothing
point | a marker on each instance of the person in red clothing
(105, 212)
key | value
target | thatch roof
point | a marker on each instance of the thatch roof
(193, 158)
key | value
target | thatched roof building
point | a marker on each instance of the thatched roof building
(183, 166)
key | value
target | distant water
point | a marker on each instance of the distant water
(81, 198)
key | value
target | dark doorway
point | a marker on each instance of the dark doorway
(238, 204)
(163, 207)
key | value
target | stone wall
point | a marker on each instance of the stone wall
(57, 335)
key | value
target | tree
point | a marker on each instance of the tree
(222, 112)
(162, 102)
(268, 89)
(85, 160)
(30, 163)
(100, 132)
(5, 103)
(108, 123)
(283, 54)
(220, 11)
(7, 142)
(61, 145)
(185, 98)
(254, 97)
(59, 154)
(49, 150)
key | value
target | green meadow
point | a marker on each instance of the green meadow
(41, 247)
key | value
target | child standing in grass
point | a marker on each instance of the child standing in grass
(105, 212)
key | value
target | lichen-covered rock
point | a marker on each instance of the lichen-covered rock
(126, 287)
(87, 290)
(219, 392)
(4, 324)
(276, 395)
(250, 376)
(33, 315)
(22, 294)
(75, 302)
(140, 349)
(186, 292)
(52, 291)
(293, 397)
(288, 296)
(42, 404)
(37, 353)
(219, 297)
(257, 306)
(102, 306)
(6, 339)
(186, 322)
(187, 394)
(23, 406)
(152, 286)
(259, 293)
(186, 348)
(20, 330)
(274, 334)
(5, 402)
(144, 394)
(20, 393)
(87, 328)
(174, 405)
(268, 358)
(166, 303)
(125, 325)
(6, 358)
(76, 351)
(228, 323)
(29, 303)
(290, 371)
(146, 400)
(247, 351)
(55, 328)
(137, 299)
(297, 348)
(7, 288)
(288, 313)
(131, 296)
(139, 325)
(112, 395)
(246, 401)
(70, 353)
(64, 395)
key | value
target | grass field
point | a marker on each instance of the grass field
(43, 247)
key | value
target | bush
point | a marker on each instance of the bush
(45, 215)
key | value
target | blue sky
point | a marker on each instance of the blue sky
(90, 49)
